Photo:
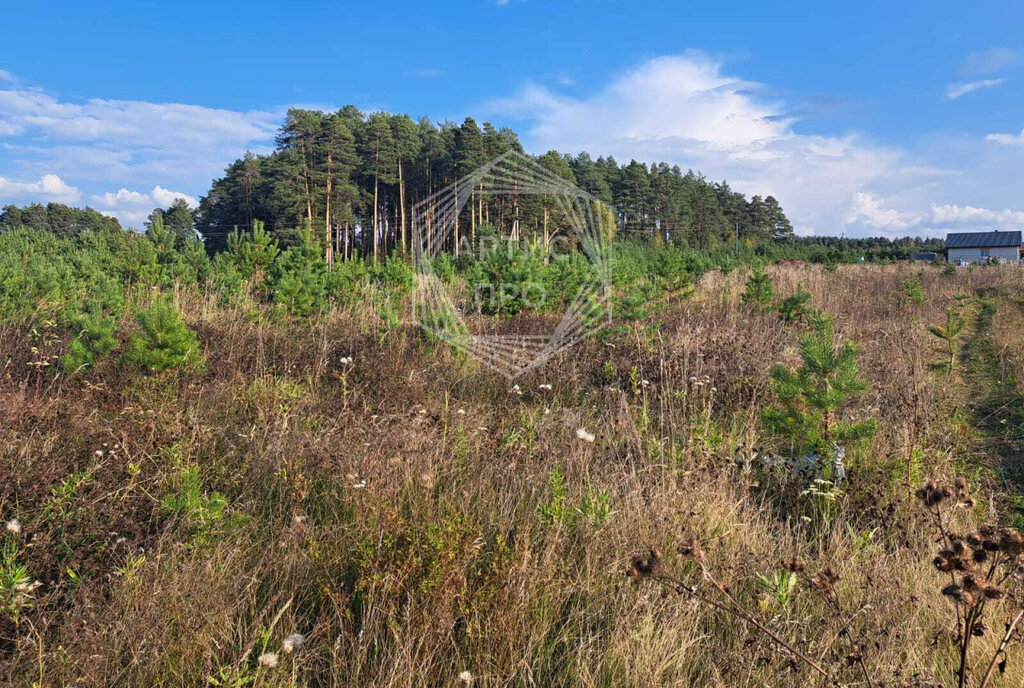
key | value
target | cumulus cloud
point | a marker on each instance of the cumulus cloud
(687, 110)
(1008, 139)
(133, 207)
(49, 188)
(684, 109)
(871, 215)
(989, 61)
(954, 91)
(98, 143)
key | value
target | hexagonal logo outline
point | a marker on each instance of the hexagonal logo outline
(433, 230)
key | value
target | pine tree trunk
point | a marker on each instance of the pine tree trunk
(329, 243)
(546, 241)
(401, 200)
(376, 184)
(455, 236)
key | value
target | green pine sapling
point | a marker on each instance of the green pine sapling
(811, 397)
(949, 335)
(759, 292)
(794, 308)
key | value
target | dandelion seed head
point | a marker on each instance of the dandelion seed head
(292, 643)
(268, 659)
(14, 526)
(584, 435)
(466, 677)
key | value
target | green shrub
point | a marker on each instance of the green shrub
(299, 277)
(253, 253)
(794, 308)
(507, 281)
(811, 397)
(166, 342)
(394, 273)
(759, 292)
(914, 291)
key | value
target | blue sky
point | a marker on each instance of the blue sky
(881, 118)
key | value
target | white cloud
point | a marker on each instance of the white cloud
(133, 207)
(100, 143)
(989, 61)
(50, 187)
(5, 75)
(10, 128)
(685, 109)
(1008, 139)
(128, 122)
(870, 215)
(954, 91)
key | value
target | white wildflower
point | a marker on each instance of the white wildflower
(268, 659)
(359, 485)
(346, 360)
(461, 412)
(584, 435)
(545, 387)
(298, 519)
(645, 383)
(515, 390)
(292, 643)
(14, 526)
(466, 677)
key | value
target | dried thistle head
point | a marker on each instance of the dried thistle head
(691, 549)
(945, 561)
(958, 594)
(933, 493)
(1011, 542)
(794, 565)
(644, 566)
(825, 580)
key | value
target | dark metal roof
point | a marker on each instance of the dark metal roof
(923, 256)
(983, 239)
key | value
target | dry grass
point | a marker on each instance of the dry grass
(389, 509)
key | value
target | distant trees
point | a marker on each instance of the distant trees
(178, 219)
(56, 218)
(353, 179)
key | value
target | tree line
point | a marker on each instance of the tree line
(353, 179)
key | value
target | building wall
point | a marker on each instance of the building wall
(1006, 254)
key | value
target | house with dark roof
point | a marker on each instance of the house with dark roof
(983, 247)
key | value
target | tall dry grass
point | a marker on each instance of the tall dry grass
(390, 509)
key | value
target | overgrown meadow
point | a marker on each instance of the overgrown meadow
(254, 471)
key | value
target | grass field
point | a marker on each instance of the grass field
(420, 521)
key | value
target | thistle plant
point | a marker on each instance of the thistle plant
(980, 566)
